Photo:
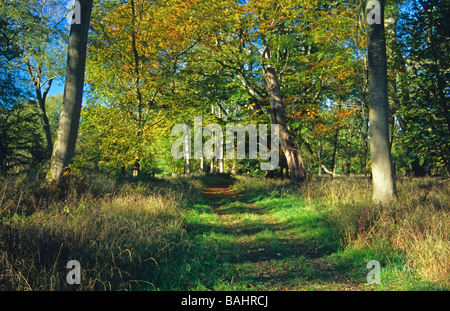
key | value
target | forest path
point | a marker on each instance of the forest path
(245, 245)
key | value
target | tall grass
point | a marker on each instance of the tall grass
(120, 232)
(125, 233)
(416, 226)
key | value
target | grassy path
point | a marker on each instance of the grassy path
(215, 232)
(242, 243)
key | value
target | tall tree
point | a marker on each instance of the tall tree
(247, 44)
(64, 148)
(12, 91)
(136, 51)
(43, 54)
(288, 142)
(384, 189)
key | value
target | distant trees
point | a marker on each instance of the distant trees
(43, 46)
(20, 138)
(31, 60)
(307, 60)
(423, 71)
(40, 41)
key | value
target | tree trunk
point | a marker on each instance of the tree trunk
(335, 143)
(318, 158)
(233, 168)
(384, 189)
(211, 166)
(46, 127)
(287, 141)
(349, 159)
(136, 167)
(187, 160)
(41, 98)
(335, 148)
(202, 164)
(3, 157)
(221, 166)
(64, 148)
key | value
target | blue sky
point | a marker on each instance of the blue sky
(56, 89)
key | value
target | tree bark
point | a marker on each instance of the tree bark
(187, 163)
(288, 144)
(46, 127)
(136, 167)
(202, 165)
(384, 189)
(41, 98)
(140, 125)
(221, 166)
(335, 148)
(64, 148)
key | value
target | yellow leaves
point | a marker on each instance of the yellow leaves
(308, 113)
(250, 107)
(111, 135)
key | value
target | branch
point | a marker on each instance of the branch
(326, 170)
(35, 81)
(47, 89)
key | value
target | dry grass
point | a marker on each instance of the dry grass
(417, 224)
(118, 232)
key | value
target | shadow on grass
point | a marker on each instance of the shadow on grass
(215, 179)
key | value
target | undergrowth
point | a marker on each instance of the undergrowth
(120, 232)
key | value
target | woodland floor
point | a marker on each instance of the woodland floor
(219, 232)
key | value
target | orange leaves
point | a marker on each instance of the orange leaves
(325, 121)
(339, 118)
(322, 129)
(346, 113)
(310, 114)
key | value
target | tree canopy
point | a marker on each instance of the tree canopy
(301, 64)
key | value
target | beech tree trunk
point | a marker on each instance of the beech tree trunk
(136, 166)
(288, 144)
(384, 189)
(221, 166)
(335, 147)
(64, 147)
